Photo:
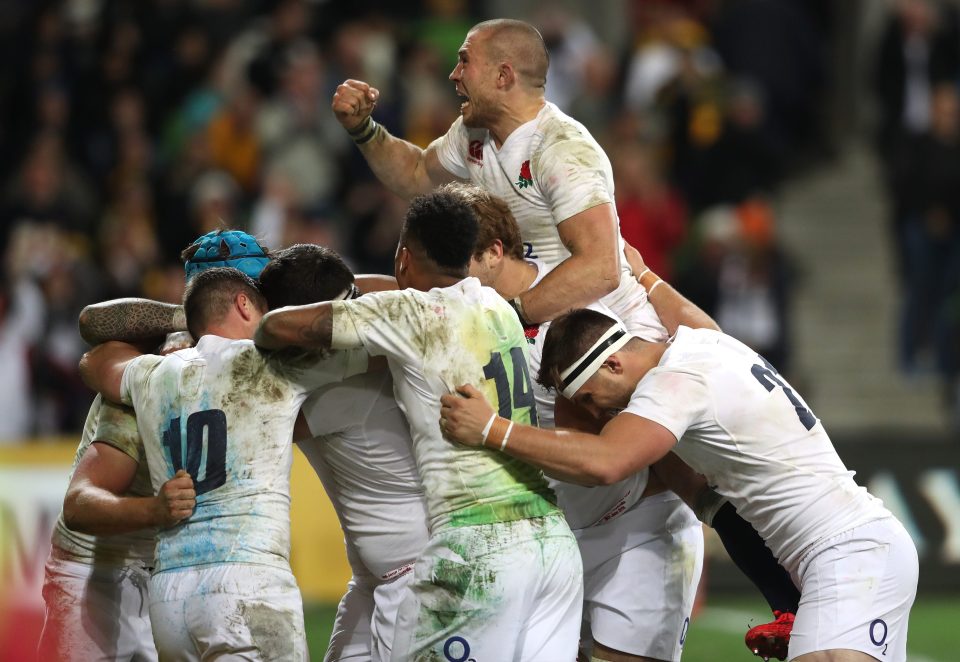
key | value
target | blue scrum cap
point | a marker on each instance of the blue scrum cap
(227, 248)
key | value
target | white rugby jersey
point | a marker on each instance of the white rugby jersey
(582, 506)
(225, 412)
(435, 341)
(742, 426)
(548, 170)
(117, 426)
(361, 450)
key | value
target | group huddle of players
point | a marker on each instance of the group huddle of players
(521, 432)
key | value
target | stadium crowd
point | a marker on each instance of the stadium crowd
(132, 127)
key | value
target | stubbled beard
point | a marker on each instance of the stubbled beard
(480, 116)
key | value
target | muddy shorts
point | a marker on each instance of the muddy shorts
(253, 612)
(505, 591)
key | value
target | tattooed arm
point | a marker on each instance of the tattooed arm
(130, 320)
(309, 326)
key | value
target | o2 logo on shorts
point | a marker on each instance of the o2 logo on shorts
(878, 634)
(456, 649)
(683, 631)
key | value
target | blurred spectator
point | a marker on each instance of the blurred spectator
(297, 130)
(653, 217)
(926, 184)
(48, 189)
(22, 313)
(128, 245)
(917, 50)
(582, 72)
(776, 44)
(234, 144)
(732, 161)
(740, 275)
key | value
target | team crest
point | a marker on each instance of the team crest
(530, 332)
(526, 179)
(475, 152)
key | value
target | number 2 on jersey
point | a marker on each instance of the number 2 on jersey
(213, 453)
(766, 374)
(522, 395)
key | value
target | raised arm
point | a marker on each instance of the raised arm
(591, 272)
(401, 166)
(627, 443)
(130, 320)
(672, 308)
(309, 326)
(96, 503)
(102, 367)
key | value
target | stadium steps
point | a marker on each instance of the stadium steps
(834, 222)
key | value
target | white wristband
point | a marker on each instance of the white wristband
(506, 436)
(486, 428)
(641, 274)
(653, 287)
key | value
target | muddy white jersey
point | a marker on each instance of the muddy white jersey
(225, 412)
(548, 170)
(741, 425)
(582, 506)
(435, 341)
(363, 440)
(115, 425)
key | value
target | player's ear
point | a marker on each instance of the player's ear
(401, 262)
(506, 76)
(244, 306)
(614, 364)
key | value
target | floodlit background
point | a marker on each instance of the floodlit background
(793, 166)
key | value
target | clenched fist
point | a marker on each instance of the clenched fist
(353, 102)
(176, 499)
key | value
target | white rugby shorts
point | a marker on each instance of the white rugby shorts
(95, 612)
(505, 591)
(856, 590)
(242, 610)
(367, 617)
(640, 577)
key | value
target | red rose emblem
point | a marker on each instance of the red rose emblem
(476, 150)
(526, 179)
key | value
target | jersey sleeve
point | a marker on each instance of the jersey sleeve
(676, 400)
(117, 427)
(452, 149)
(135, 377)
(574, 175)
(383, 323)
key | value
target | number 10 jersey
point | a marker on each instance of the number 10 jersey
(225, 412)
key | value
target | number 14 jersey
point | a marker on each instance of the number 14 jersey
(225, 412)
(435, 341)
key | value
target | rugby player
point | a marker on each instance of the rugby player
(225, 413)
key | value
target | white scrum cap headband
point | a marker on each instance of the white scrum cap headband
(352, 292)
(587, 365)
